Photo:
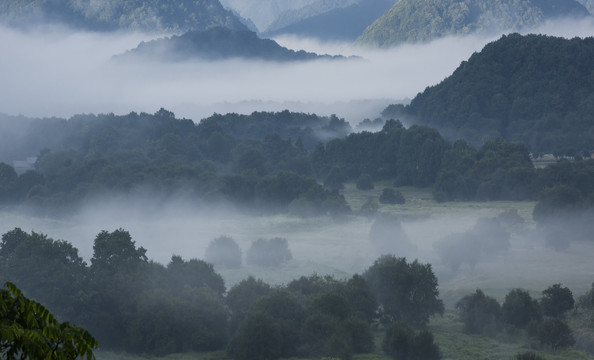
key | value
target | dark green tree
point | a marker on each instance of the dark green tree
(556, 300)
(242, 296)
(481, 314)
(29, 331)
(519, 309)
(406, 291)
(402, 343)
(556, 333)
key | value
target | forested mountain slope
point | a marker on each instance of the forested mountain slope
(147, 15)
(425, 20)
(219, 43)
(535, 89)
(344, 22)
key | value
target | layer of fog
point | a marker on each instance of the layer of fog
(58, 73)
(323, 245)
(55, 72)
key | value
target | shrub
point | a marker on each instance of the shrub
(223, 251)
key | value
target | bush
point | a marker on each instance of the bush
(528, 356)
(391, 196)
(519, 309)
(223, 251)
(270, 253)
(480, 313)
(402, 343)
(556, 333)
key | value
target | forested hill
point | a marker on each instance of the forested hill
(219, 43)
(425, 20)
(153, 16)
(535, 89)
(341, 23)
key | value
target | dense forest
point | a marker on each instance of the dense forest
(154, 16)
(218, 43)
(425, 20)
(280, 162)
(131, 304)
(533, 89)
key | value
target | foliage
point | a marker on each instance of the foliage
(556, 300)
(50, 271)
(402, 343)
(218, 43)
(152, 16)
(528, 356)
(481, 314)
(29, 331)
(272, 252)
(405, 291)
(242, 296)
(532, 89)
(425, 20)
(223, 251)
(519, 309)
(556, 333)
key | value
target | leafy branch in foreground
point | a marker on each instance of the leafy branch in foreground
(29, 331)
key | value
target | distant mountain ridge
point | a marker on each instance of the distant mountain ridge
(216, 44)
(425, 20)
(154, 16)
(264, 12)
(330, 19)
(533, 89)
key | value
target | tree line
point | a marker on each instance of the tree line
(284, 162)
(129, 303)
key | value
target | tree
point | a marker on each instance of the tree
(519, 309)
(556, 333)
(223, 251)
(271, 252)
(406, 291)
(402, 343)
(50, 271)
(29, 331)
(242, 296)
(556, 300)
(271, 329)
(481, 314)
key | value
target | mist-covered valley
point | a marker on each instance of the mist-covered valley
(181, 153)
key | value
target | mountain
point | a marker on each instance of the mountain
(153, 16)
(330, 19)
(534, 89)
(589, 4)
(263, 12)
(318, 7)
(425, 20)
(218, 43)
